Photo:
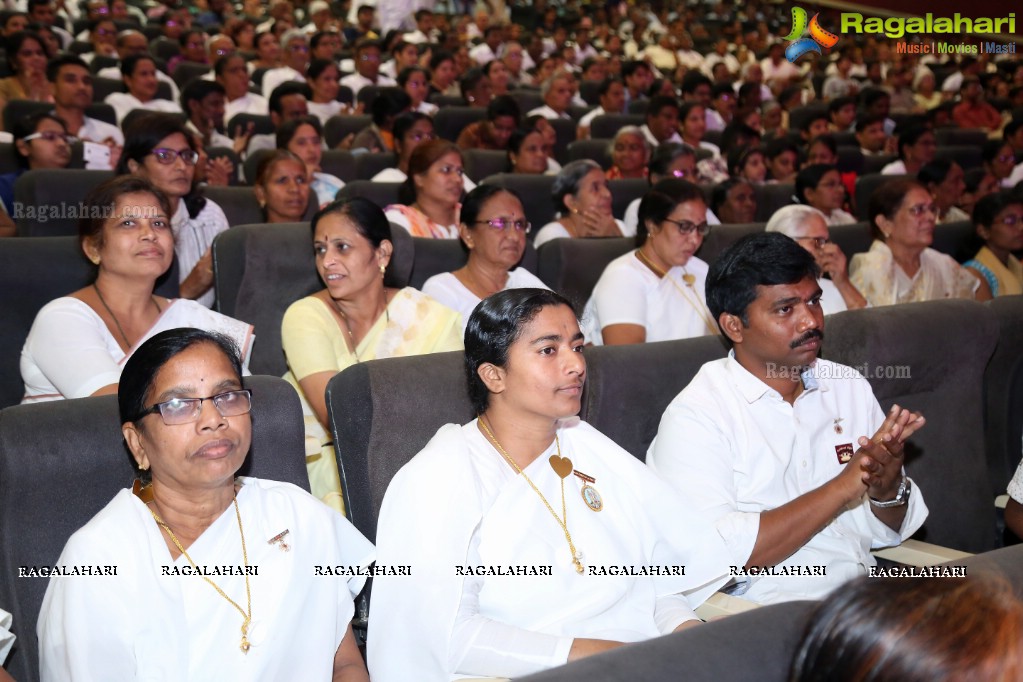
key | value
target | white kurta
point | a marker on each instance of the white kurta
(630, 293)
(458, 495)
(765, 453)
(447, 289)
(143, 625)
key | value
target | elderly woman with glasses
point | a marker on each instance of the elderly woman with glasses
(159, 148)
(78, 343)
(583, 199)
(41, 141)
(215, 573)
(493, 228)
(656, 292)
(900, 266)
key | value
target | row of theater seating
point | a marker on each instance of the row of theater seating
(383, 412)
(56, 194)
(262, 269)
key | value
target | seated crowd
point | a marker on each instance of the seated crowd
(637, 128)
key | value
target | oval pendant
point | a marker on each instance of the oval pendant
(592, 498)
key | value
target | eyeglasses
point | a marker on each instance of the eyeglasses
(920, 209)
(369, 57)
(168, 156)
(298, 48)
(419, 137)
(686, 228)
(51, 136)
(187, 410)
(818, 242)
(682, 173)
(1005, 158)
(1011, 220)
(502, 224)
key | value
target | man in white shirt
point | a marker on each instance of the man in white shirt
(72, 93)
(789, 454)
(139, 75)
(612, 101)
(367, 67)
(295, 61)
(809, 228)
(662, 121)
(557, 94)
(424, 32)
(777, 68)
(288, 101)
(231, 73)
(203, 103)
(489, 48)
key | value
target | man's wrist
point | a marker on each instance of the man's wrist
(900, 498)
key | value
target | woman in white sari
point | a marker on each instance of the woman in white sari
(517, 564)
(215, 577)
(78, 343)
(354, 319)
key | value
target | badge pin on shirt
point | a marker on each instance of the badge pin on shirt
(838, 425)
(279, 541)
(844, 452)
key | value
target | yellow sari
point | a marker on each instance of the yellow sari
(313, 342)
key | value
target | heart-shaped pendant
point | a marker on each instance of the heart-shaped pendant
(690, 280)
(562, 466)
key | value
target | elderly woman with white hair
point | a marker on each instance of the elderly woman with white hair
(583, 200)
(630, 152)
(809, 228)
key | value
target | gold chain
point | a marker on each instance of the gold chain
(113, 317)
(563, 519)
(245, 555)
(698, 305)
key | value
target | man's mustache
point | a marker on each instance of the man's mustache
(811, 334)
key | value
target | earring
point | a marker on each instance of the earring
(383, 269)
(94, 260)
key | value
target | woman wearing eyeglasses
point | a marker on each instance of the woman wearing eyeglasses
(353, 319)
(493, 228)
(583, 199)
(26, 59)
(669, 160)
(159, 148)
(431, 192)
(656, 293)
(820, 185)
(79, 342)
(41, 141)
(998, 219)
(900, 266)
(215, 573)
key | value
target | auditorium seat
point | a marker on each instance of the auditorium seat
(261, 124)
(565, 130)
(340, 163)
(527, 100)
(435, 256)
(101, 87)
(383, 194)
(535, 192)
(58, 194)
(61, 462)
(721, 237)
(482, 163)
(449, 122)
(572, 267)
(22, 260)
(186, 71)
(365, 166)
(771, 197)
(865, 186)
(259, 270)
(20, 108)
(624, 191)
(606, 125)
(970, 137)
(852, 238)
(966, 156)
(1003, 394)
(338, 128)
(593, 149)
(232, 156)
(9, 161)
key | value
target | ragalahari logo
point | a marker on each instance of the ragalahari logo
(801, 43)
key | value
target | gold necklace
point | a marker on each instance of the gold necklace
(247, 614)
(563, 519)
(697, 305)
(113, 317)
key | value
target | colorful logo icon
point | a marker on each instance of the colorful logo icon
(801, 43)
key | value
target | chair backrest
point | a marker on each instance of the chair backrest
(606, 125)
(953, 238)
(382, 413)
(850, 159)
(967, 156)
(482, 163)
(165, 48)
(801, 114)
(57, 195)
(565, 136)
(61, 463)
(261, 269)
(369, 93)
(594, 149)
(436, 256)
(186, 71)
(572, 267)
(875, 162)
(535, 192)
(340, 163)
(527, 100)
(629, 387)
(1003, 394)
(771, 197)
(721, 237)
(8, 158)
(368, 165)
(21, 262)
(383, 194)
(261, 125)
(449, 122)
(969, 137)
(448, 100)
(852, 238)
(895, 345)
(238, 203)
(590, 92)
(338, 128)
(624, 191)
(865, 186)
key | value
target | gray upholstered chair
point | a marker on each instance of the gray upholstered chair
(721, 237)
(930, 357)
(482, 163)
(21, 262)
(434, 256)
(865, 186)
(852, 238)
(535, 192)
(572, 267)
(624, 191)
(594, 149)
(58, 193)
(383, 194)
(61, 462)
(1003, 394)
(259, 270)
(772, 197)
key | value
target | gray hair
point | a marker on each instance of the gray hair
(545, 87)
(789, 219)
(567, 181)
(292, 34)
(631, 130)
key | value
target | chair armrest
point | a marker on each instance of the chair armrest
(720, 605)
(916, 553)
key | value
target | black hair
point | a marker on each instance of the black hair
(631, 67)
(284, 90)
(408, 72)
(388, 103)
(934, 172)
(738, 157)
(14, 42)
(660, 102)
(719, 195)
(665, 154)
(287, 130)
(836, 104)
(504, 105)
(759, 259)
(26, 125)
(477, 198)
(871, 95)
(469, 81)
(318, 66)
(814, 115)
(144, 132)
(515, 143)
(658, 203)
(439, 57)
(864, 119)
(196, 90)
(367, 218)
(1012, 126)
(220, 66)
(129, 63)
(317, 38)
(910, 136)
(404, 121)
(495, 324)
(886, 201)
(827, 139)
(987, 209)
(102, 199)
(719, 89)
(810, 177)
(142, 368)
(990, 150)
(54, 66)
(605, 85)
(779, 146)
(736, 134)
(693, 80)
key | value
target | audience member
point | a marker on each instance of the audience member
(998, 219)
(432, 191)
(583, 202)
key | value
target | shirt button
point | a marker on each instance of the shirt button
(804, 463)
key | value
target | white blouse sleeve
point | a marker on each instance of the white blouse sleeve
(481, 646)
(620, 296)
